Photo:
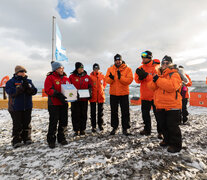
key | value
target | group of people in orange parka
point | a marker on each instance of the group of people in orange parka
(163, 87)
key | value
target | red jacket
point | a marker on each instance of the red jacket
(98, 86)
(80, 81)
(53, 83)
(151, 68)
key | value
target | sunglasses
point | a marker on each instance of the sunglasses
(167, 63)
(144, 55)
(22, 71)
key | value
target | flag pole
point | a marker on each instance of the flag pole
(53, 37)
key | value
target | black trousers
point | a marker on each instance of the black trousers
(58, 115)
(184, 112)
(169, 121)
(79, 115)
(21, 125)
(93, 114)
(125, 116)
(145, 108)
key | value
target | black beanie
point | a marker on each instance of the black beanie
(167, 58)
(147, 54)
(117, 57)
(78, 65)
(96, 66)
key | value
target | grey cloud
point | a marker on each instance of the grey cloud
(126, 27)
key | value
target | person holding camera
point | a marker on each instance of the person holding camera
(20, 90)
(57, 105)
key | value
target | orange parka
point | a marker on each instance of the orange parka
(119, 87)
(98, 86)
(188, 85)
(166, 90)
(151, 68)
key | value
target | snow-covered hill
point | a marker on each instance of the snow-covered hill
(101, 156)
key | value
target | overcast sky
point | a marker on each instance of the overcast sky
(93, 31)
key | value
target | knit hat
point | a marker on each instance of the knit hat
(19, 68)
(167, 58)
(78, 65)
(56, 65)
(96, 66)
(117, 57)
(146, 54)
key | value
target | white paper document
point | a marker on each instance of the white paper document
(83, 93)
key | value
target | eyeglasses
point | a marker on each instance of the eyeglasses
(165, 62)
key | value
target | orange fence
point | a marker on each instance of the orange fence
(198, 99)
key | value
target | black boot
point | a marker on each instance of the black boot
(143, 132)
(125, 132)
(93, 130)
(173, 149)
(113, 132)
(51, 145)
(82, 133)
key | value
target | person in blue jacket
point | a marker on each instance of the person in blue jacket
(20, 90)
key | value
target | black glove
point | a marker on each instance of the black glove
(19, 90)
(138, 71)
(30, 91)
(111, 76)
(60, 96)
(25, 83)
(119, 74)
(142, 73)
(155, 78)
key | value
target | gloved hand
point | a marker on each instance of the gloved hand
(30, 91)
(155, 78)
(119, 74)
(138, 71)
(19, 90)
(60, 96)
(25, 83)
(111, 76)
(141, 73)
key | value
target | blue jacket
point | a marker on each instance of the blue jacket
(19, 101)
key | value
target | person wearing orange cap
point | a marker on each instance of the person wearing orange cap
(98, 96)
(143, 75)
(119, 76)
